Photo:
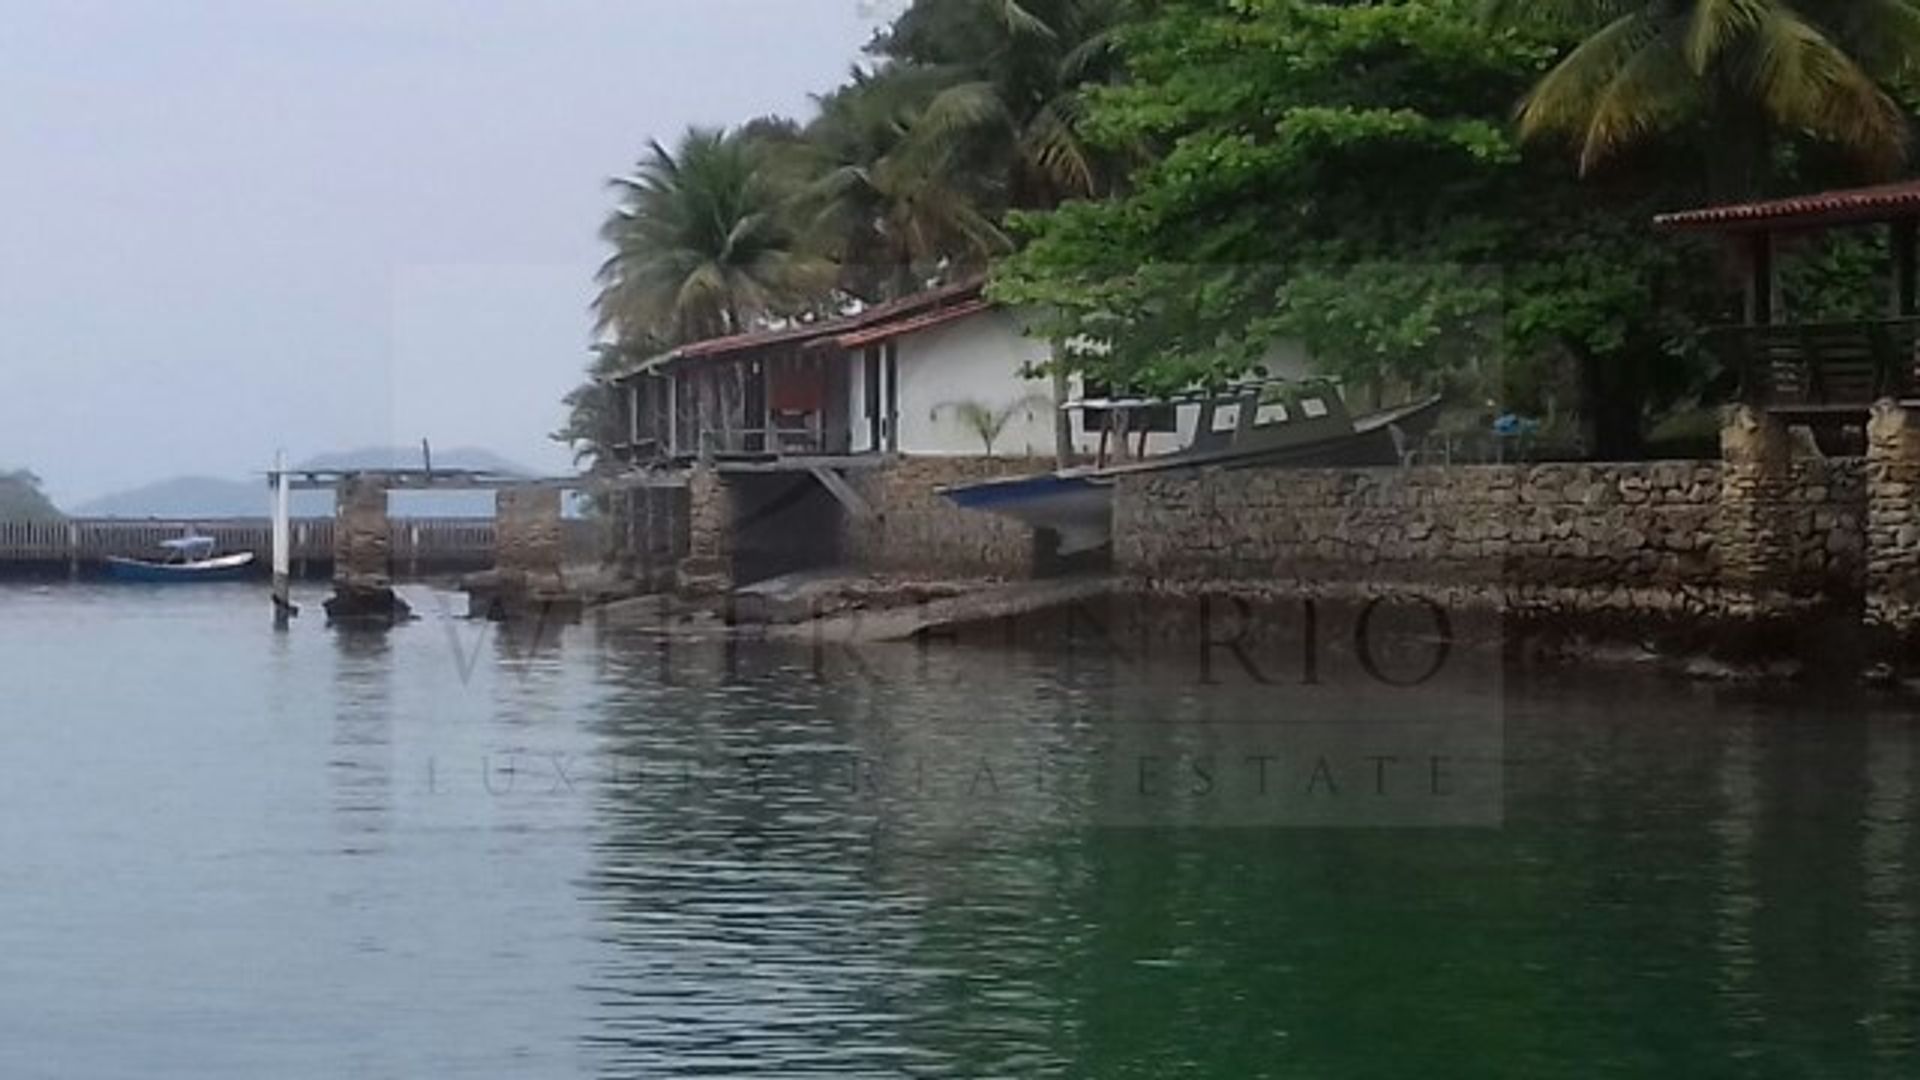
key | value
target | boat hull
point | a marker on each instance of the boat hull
(1078, 504)
(1078, 509)
(224, 568)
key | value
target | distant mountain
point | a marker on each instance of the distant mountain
(408, 457)
(210, 497)
(185, 497)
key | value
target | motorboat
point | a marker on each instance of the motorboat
(187, 558)
(1244, 427)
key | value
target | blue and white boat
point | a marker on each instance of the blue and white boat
(188, 558)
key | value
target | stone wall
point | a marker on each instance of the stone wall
(1893, 520)
(1591, 527)
(918, 531)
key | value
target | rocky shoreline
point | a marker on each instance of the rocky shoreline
(1702, 634)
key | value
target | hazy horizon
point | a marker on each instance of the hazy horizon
(321, 226)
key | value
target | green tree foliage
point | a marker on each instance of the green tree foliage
(1176, 186)
(1016, 71)
(969, 107)
(1733, 74)
(22, 500)
(1346, 175)
(892, 208)
(701, 242)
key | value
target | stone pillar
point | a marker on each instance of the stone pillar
(526, 532)
(1754, 549)
(362, 550)
(708, 566)
(528, 549)
(1893, 526)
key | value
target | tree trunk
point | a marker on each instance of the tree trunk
(1613, 394)
(1062, 419)
(1739, 151)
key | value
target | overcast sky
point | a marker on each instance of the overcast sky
(232, 225)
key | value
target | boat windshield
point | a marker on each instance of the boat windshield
(189, 548)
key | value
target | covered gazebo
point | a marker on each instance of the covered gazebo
(1824, 374)
(1838, 379)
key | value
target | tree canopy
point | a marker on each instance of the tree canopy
(22, 500)
(1446, 194)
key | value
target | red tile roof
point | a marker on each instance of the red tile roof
(900, 327)
(1853, 206)
(933, 301)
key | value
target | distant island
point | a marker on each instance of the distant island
(215, 497)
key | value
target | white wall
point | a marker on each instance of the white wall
(979, 359)
(975, 359)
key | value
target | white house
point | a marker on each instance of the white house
(898, 378)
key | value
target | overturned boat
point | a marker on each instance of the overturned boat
(1241, 428)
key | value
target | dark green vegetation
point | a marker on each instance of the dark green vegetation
(22, 500)
(1450, 194)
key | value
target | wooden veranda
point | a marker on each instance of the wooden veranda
(1823, 374)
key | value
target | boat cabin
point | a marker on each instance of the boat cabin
(187, 549)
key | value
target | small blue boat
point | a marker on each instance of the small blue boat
(187, 559)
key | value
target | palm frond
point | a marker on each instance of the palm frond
(1714, 25)
(1054, 144)
(1562, 102)
(1019, 21)
(1805, 80)
(1651, 92)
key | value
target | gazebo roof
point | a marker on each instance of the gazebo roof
(1850, 206)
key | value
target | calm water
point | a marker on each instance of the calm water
(448, 852)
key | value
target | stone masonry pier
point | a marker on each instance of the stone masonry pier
(362, 557)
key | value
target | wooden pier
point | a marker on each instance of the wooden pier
(420, 546)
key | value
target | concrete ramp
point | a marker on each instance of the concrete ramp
(985, 604)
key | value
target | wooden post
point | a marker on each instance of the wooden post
(673, 416)
(767, 444)
(1906, 300)
(283, 608)
(1760, 296)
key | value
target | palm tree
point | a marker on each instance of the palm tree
(896, 213)
(986, 422)
(1737, 71)
(701, 245)
(1017, 70)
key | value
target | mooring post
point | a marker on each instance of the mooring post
(283, 608)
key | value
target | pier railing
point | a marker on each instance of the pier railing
(422, 545)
